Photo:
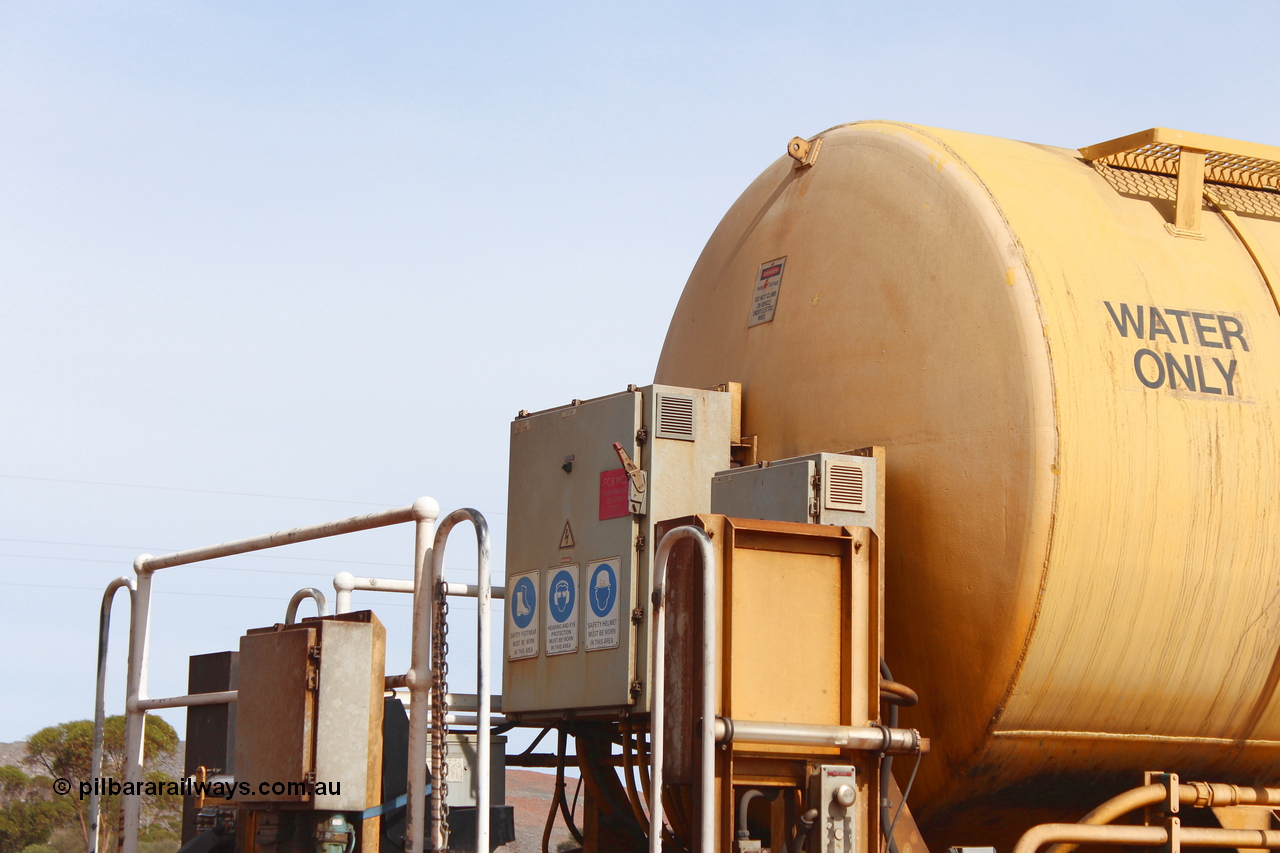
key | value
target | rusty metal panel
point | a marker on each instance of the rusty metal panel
(275, 713)
(310, 713)
(349, 711)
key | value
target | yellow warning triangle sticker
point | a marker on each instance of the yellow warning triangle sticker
(566, 538)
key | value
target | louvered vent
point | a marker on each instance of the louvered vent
(675, 417)
(845, 487)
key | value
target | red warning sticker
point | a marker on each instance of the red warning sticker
(614, 494)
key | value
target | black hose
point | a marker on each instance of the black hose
(535, 743)
(803, 824)
(557, 798)
(602, 782)
(886, 772)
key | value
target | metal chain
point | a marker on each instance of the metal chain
(440, 706)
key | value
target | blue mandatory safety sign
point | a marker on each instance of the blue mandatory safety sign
(524, 602)
(603, 590)
(562, 594)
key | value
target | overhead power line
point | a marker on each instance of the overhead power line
(217, 568)
(194, 491)
(497, 604)
(137, 549)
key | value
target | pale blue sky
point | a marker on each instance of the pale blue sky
(328, 250)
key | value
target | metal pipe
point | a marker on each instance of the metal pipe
(471, 702)
(1197, 794)
(135, 718)
(1144, 836)
(470, 590)
(870, 738)
(473, 720)
(385, 518)
(484, 709)
(467, 702)
(221, 697)
(1208, 794)
(1116, 807)
(291, 612)
(886, 771)
(657, 672)
(100, 706)
(744, 803)
(345, 582)
(418, 678)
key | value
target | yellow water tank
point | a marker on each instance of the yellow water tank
(1073, 358)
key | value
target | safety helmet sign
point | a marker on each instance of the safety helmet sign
(602, 597)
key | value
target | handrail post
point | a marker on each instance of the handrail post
(344, 582)
(135, 716)
(418, 678)
(100, 707)
(322, 606)
(484, 595)
(657, 672)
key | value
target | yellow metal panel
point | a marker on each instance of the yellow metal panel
(785, 654)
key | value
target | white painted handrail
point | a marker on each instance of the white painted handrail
(423, 512)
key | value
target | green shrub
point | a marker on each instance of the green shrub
(38, 848)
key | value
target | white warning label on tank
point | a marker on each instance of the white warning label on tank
(522, 616)
(561, 596)
(602, 604)
(764, 296)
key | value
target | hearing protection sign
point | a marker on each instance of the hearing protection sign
(522, 617)
(764, 296)
(602, 604)
(562, 610)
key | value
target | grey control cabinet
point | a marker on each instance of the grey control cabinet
(580, 539)
(822, 488)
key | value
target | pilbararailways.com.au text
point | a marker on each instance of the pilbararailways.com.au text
(106, 786)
